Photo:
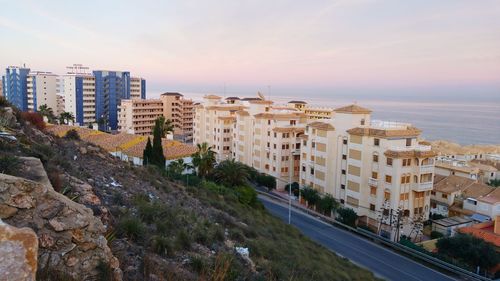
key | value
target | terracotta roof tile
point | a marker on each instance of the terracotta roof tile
(353, 109)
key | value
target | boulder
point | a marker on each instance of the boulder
(18, 253)
(71, 238)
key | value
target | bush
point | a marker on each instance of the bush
(295, 188)
(198, 264)
(310, 195)
(104, 270)
(34, 118)
(131, 227)
(347, 216)
(9, 165)
(4, 102)
(72, 135)
(162, 245)
(436, 234)
(183, 241)
(266, 180)
(247, 195)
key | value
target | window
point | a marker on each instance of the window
(293, 122)
(267, 166)
(342, 201)
(375, 158)
(403, 196)
(303, 168)
(433, 205)
(376, 142)
(387, 196)
(406, 213)
(408, 142)
(267, 155)
(313, 144)
(274, 145)
(406, 162)
(312, 171)
(374, 175)
(372, 207)
(342, 186)
(344, 156)
(388, 179)
(389, 161)
(445, 196)
(343, 171)
(268, 145)
(275, 135)
(268, 133)
(405, 179)
(373, 190)
(344, 141)
(362, 121)
(268, 122)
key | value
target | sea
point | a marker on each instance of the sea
(464, 119)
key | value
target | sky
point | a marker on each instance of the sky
(309, 48)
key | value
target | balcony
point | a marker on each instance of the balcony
(426, 169)
(410, 148)
(423, 186)
(372, 182)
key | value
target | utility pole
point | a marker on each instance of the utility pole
(290, 192)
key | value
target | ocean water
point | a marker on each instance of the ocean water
(465, 119)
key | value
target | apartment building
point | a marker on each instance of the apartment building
(137, 88)
(137, 116)
(181, 111)
(1, 89)
(14, 85)
(42, 89)
(214, 122)
(60, 107)
(312, 112)
(78, 91)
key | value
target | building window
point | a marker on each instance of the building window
(372, 207)
(343, 171)
(342, 201)
(375, 158)
(362, 122)
(376, 142)
(374, 175)
(344, 156)
(387, 196)
(293, 122)
(268, 122)
(373, 190)
(406, 162)
(313, 144)
(275, 135)
(303, 168)
(389, 161)
(388, 179)
(344, 141)
(408, 142)
(312, 171)
(406, 213)
(445, 196)
(342, 186)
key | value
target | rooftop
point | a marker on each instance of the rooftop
(453, 221)
(172, 94)
(452, 184)
(485, 231)
(297, 101)
(353, 109)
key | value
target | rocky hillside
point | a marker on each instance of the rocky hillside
(98, 218)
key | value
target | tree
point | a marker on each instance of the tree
(265, 180)
(146, 154)
(347, 216)
(178, 167)
(469, 250)
(157, 158)
(327, 204)
(166, 126)
(231, 173)
(46, 111)
(204, 159)
(310, 195)
(65, 117)
(295, 188)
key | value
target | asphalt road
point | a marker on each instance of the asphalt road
(382, 262)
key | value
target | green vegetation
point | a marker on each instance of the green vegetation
(231, 173)
(166, 126)
(153, 154)
(146, 154)
(9, 164)
(436, 234)
(204, 160)
(48, 112)
(66, 117)
(34, 118)
(347, 216)
(469, 250)
(494, 182)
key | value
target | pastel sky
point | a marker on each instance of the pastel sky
(301, 47)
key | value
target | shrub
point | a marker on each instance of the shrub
(131, 227)
(436, 234)
(310, 195)
(327, 204)
(149, 212)
(247, 195)
(162, 245)
(4, 102)
(72, 135)
(9, 164)
(183, 241)
(105, 271)
(34, 118)
(347, 216)
(198, 264)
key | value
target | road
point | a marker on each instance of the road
(382, 262)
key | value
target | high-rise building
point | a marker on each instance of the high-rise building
(110, 88)
(137, 116)
(15, 86)
(78, 90)
(181, 111)
(312, 112)
(42, 89)
(137, 88)
(1, 88)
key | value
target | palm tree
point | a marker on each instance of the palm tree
(46, 111)
(231, 173)
(65, 117)
(204, 159)
(166, 126)
(178, 167)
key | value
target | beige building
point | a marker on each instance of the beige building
(181, 111)
(138, 116)
(60, 105)
(312, 113)
(42, 88)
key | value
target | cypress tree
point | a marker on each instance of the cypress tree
(157, 157)
(146, 154)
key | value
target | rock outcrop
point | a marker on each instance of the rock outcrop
(71, 239)
(18, 253)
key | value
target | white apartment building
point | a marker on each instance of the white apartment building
(42, 89)
(137, 88)
(79, 97)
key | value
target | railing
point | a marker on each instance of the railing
(395, 246)
(423, 186)
(426, 169)
(372, 182)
